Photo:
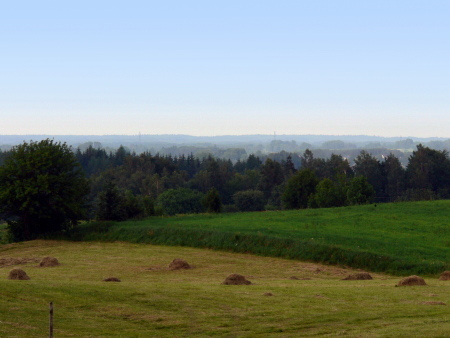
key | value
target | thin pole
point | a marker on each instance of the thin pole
(51, 320)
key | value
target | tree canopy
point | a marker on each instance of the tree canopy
(299, 189)
(42, 189)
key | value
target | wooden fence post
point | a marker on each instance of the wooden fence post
(51, 320)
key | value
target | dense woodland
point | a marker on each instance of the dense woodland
(126, 185)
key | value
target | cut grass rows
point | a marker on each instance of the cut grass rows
(153, 301)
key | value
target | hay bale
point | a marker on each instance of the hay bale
(445, 275)
(412, 281)
(48, 261)
(178, 264)
(112, 279)
(235, 279)
(359, 276)
(18, 274)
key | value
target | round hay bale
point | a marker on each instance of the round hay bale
(235, 279)
(445, 275)
(178, 264)
(48, 261)
(412, 281)
(112, 279)
(359, 276)
(18, 274)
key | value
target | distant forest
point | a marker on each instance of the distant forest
(237, 148)
(126, 184)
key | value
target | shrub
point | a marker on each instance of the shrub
(111, 204)
(230, 208)
(212, 201)
(360, 191)
(148, 205)
(180, 201)
(330, 194)
(249, 200)
(418, 195)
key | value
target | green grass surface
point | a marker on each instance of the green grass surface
(152, 301)
(399, 238)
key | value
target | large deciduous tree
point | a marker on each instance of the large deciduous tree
(42, 189)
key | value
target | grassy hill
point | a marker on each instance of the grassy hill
(151, 301)
(399, 238)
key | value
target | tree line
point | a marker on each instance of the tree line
(266, 180)
(118, 185)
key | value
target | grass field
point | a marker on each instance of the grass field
(153, 301)
(398, 238)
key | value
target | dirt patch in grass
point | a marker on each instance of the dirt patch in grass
(48, 262)
(445, 275)
(112, 279)
(179, 264)
(18, 274)
(236, 279)
(412, 281)
(433, 303)
(9, 261)
(359, 276)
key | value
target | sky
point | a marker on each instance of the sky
(347, 67)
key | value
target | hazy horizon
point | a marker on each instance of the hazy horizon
(236, 135)
(204, 68)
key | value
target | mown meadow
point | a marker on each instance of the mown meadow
(151, 301)
(396, 238)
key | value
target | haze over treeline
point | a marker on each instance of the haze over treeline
(239, 147)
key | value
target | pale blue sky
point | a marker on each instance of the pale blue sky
(225, 67)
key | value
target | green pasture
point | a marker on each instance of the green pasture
(399, 238)
(151, 301)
